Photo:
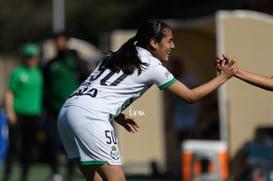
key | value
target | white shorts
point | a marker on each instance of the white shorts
(87, 138)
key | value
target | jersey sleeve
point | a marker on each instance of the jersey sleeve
(161, 76)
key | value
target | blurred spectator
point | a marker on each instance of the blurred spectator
(23, 100)
(209, 123)
(184, 115)
(63, 74)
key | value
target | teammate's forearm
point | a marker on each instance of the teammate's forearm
(255, 79)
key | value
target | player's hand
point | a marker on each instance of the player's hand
(127, 122)
(226, 66)
(219, 61)
(224, 61)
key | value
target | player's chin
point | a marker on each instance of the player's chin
(165, 59)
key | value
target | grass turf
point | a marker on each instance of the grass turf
(40, 172)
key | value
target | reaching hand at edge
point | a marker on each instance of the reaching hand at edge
(127, 122)
(259, 80)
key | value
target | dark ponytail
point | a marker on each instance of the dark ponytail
(126, 57)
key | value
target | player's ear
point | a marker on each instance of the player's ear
(153, 43)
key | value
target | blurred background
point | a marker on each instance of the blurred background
(88, 19)
(97, 26)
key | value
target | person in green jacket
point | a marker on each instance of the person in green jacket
(63, 74)
(23, 101)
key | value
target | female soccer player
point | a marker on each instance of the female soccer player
(122, 76)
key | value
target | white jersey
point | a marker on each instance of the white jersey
(106, 94)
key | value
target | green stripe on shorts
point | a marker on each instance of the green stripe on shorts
(93, 162)
(88, 162)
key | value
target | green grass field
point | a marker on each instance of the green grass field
(40, 172)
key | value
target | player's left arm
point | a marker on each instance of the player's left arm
(127, 122)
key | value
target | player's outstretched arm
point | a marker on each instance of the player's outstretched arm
(127, 122)
(226, 70)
